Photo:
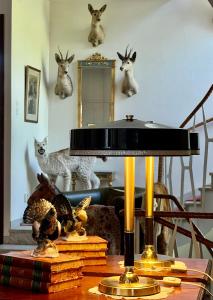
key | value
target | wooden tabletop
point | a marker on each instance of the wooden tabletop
(185, 292)
(113, 268)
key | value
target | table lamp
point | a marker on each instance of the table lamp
(130, 138)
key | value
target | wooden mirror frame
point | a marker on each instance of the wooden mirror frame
(96, 60)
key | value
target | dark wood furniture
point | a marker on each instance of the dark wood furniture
(2, 66)
(185, 292)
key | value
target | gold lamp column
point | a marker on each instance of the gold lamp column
(129, 284)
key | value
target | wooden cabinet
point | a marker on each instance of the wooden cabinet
(106, 179)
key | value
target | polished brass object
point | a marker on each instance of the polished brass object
(96, 104)
(149, 162)
(96, 56)
(143, 287)
(129, 276)
(129, 205)
(150, 260)
(149, 253)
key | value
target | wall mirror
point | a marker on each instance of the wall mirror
(96, 90)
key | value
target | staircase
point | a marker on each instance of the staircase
(200, 200)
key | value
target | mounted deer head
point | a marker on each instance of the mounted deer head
(96, 36)
(129, 84)
(64, 86)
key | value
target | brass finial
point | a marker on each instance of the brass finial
(129, 117)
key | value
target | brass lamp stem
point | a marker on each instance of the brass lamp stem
(129, 193)
(149, 240)
(129, 205)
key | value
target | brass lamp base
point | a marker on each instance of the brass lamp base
(129, 285)
(150, 260)
(144, 287)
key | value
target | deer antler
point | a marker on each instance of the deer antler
(60, 53)
(67, 55)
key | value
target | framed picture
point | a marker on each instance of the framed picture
(32, 87)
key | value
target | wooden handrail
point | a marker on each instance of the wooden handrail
(188, 215)
(179, 206)
(197, 107)
(200, 124)
(160, 215)
(176, 214)
(201, 239)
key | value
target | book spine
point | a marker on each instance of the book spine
(94, 262)
(37, 275)
(83, 254)
(36, 286)
(81, 247)
(38, 265)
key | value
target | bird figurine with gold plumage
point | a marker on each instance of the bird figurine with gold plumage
(45, 227)
(73, 219)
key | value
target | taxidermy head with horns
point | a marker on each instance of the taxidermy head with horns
(129, 84)
(64, 86)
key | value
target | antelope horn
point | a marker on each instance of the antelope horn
(130, 53)
(67, 55)
(60, 53)
(126, 51)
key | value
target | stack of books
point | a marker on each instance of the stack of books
(46, 275)
(92, 250)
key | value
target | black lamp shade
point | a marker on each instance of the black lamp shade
(131, 137)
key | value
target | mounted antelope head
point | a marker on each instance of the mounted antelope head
(64, 86)
(129, 84)
(96, 36)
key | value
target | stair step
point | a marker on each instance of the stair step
(20, 237)
(12, 247)
(191, 203)
(208, 187)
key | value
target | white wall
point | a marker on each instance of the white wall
(174, 64)
(30, 46)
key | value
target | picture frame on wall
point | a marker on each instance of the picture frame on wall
(32, 90)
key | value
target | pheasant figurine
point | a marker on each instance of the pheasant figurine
(45, 227)
(73, 219)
